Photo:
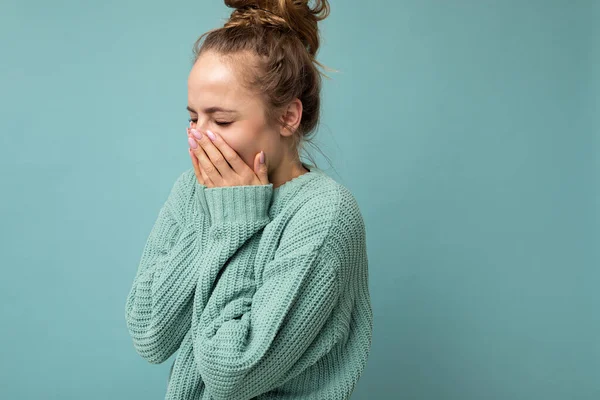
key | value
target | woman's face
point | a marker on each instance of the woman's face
(217, 101)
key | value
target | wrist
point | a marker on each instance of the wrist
(245, 203)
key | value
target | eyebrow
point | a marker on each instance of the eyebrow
(212, 110)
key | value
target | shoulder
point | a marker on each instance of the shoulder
(333, 221)
(346, 236)
(331, 218)
(334, 203)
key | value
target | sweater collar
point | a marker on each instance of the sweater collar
(286, 190)
(280, 195)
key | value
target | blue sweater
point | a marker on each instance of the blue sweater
(264, 291)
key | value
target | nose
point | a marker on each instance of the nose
(201, 124)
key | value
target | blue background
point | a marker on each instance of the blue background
(467, 130)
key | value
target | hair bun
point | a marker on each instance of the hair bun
(294, 15)
(241, 3)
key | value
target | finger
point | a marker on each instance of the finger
(203, 178)
(207, 179)
(199, 176)
(229, 154)
(204, 162)
(216, 157)
(260, 168)
(194, 159)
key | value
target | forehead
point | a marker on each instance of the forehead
(214, 75)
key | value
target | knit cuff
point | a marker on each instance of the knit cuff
(238, 203)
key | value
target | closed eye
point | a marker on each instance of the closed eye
(220, 123)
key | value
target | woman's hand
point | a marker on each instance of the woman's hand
(217, 164)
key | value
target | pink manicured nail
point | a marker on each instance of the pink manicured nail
(192, 143)
(211, 135)
(197, 134)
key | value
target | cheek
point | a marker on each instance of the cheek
(237, 141)
(245, 142)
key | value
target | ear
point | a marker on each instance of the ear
(291, 117)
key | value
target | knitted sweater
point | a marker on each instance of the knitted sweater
(264, 291)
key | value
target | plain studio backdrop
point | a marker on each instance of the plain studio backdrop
(467, 131)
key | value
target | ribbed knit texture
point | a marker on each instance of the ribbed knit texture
(264, 291)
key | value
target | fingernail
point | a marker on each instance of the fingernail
(262, 157)
(197, 134)
(210, 135)
(192, 143)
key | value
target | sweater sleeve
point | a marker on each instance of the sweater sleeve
(158, 308)
(250, 342)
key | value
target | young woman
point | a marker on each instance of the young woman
(256, 268)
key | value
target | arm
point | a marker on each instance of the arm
(158, 308)
(247, 343)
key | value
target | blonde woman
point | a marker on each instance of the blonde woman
(256, 268)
